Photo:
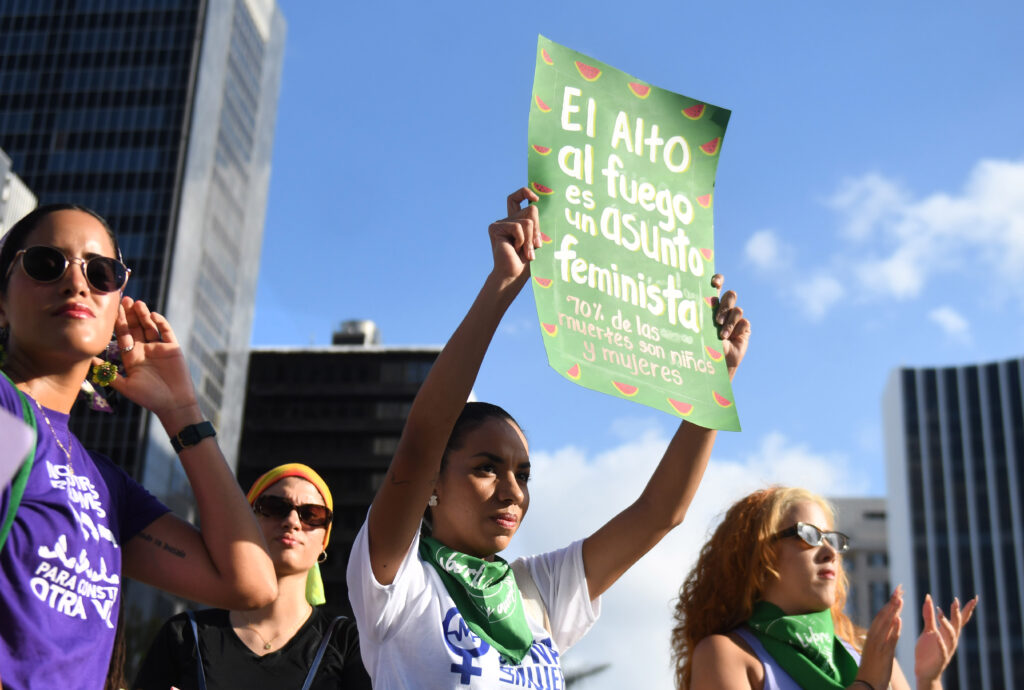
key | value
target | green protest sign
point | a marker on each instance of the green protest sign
(625, 172)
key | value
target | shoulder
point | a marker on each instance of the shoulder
(9, 398)
(725, 660)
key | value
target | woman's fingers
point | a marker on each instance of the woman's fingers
(928, 613)
(164, 328)
(968, 611)
(516, 198)
(149, 329)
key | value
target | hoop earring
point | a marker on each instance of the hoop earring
(432, 502)
(322, 557)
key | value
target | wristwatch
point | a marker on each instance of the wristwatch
(191, 435)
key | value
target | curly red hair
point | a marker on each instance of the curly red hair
(733, 571)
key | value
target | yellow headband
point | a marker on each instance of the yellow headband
(294, 469)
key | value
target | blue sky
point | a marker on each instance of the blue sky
(869, 212)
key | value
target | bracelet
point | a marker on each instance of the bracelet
(864, 682)
(193, 434)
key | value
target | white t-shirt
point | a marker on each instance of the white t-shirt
(412, 635)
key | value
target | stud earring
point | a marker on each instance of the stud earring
(433, 501)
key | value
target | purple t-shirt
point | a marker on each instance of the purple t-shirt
(60, 570)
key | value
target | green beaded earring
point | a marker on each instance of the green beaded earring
(104, 374)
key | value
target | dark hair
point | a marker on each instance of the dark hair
(472, 416)
(14, 240)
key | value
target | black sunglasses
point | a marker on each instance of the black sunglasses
(45, 264)
(279, 508)
(813, 536)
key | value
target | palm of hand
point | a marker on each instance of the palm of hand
(157, 379)
(930, 655)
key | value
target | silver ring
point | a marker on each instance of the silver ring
(129, 348)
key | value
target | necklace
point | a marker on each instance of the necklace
(267, 644)
(67, 453)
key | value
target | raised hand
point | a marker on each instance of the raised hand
(156, 375)
(880, 644)
(938, 640)
(515, 237)
(733, 329)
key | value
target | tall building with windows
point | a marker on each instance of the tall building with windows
(340, 409)
(867, 561)
(158, 114)
(16, 199)
(955, 456)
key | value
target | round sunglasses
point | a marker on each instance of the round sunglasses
(45, 264)
(279, 508)
(812, 536)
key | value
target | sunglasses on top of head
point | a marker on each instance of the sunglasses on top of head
(279, 508)
(812, 536)
(45, 264)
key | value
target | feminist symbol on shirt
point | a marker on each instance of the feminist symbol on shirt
(464, 642)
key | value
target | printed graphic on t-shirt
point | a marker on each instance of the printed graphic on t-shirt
(539, 670)
(78, 585)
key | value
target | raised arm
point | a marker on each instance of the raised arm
(400, 501)
(226, 563)
(611, 550)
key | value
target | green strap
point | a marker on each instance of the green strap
(21, 479)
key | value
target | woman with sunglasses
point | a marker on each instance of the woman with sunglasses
(444, 610)
(291, 642)
(75, 522)
(763, 608)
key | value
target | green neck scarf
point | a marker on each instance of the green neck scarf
(805, 646)
(487, 597)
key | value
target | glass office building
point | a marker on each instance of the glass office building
(955, 456)
(158, 114)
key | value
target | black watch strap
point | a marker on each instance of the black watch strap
(191, 435)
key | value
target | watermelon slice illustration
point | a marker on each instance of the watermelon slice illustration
(711, 148)
(712, 353)
(545, 239)
(722, 402)
(703, 201)
(640, 90)
(550, 328)
(694, 112)
(587, 72)
(684, 409)
(574, 372)
(544, 107)
(543, 282)
(626, 389)
(544, 150)
(707, 254)
(545, 57)
(541, 189)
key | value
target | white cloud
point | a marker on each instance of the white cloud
(951, 322)
(573, 495)
(903, 243)
(819, 293)
(767, 252)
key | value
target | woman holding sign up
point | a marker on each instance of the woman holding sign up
(439, 608)
(763, 608)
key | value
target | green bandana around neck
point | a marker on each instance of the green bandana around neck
(805, 646)
(486, 595)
